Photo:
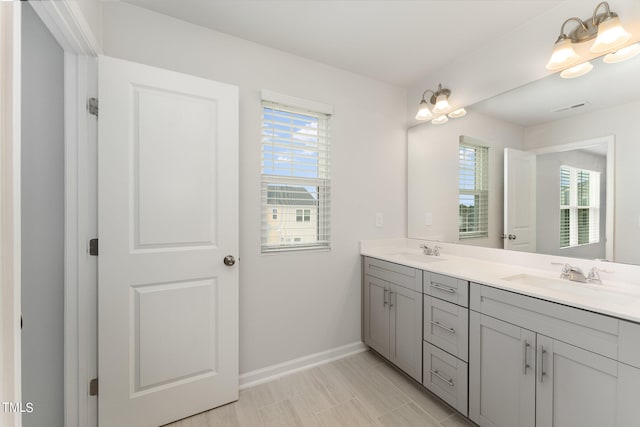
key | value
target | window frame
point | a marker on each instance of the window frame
(321, 183)
(574, 207)
(480, 192)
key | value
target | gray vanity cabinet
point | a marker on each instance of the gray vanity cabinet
(393, 313)
(502, 373)
(537, 363)
(576, 387)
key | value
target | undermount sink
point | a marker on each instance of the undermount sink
(417, 257)
(574, 288)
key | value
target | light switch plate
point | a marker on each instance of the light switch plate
(379, 219)
(428, 218)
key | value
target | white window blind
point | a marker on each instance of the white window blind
(473, 191)
(295, 178)
(579, 206)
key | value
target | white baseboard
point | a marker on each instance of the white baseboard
(263, 375)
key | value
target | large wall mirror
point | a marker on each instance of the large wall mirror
(561, 162)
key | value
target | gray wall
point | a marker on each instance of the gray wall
(548, 199)
(42, 223)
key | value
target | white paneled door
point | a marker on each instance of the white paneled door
(519, 200)
(168, 217)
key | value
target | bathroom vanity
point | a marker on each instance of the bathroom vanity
(503, 343)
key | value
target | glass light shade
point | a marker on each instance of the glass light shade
(423, 111)
(563, 55)
(577, 70)
(622, 54)
(460, 112)
(442, 104)
(610, 35)
(440, 120)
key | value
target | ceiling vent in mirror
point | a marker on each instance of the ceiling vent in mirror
(575, 106)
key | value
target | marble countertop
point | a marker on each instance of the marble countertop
(612, 298)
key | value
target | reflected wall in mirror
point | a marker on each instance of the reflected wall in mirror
(541, 118)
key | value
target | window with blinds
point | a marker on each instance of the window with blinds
(473, 199)
(295, 178)
(579, 207)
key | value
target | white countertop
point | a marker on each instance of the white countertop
(613, 298)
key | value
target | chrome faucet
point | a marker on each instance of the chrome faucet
(576, 275)
(426, 249)
(570, 272)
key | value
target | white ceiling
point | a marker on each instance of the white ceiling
(395, 41)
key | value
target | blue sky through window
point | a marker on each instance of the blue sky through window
(290, 144)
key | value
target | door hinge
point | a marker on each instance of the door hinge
(92, 106)
(93, 387)
(93, 247)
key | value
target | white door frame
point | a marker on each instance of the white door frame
(67, 24)
(10, 363)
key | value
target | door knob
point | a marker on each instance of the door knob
(229, 260)
(512, 237)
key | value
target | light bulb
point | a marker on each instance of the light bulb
(577, 70)
(563, 55)
(610, 35)
(423, 111)
(440, 120)
(442, 104)
(622, 54)
(460, 112)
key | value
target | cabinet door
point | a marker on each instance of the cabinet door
(376, 315)
(406, 330)
(575, 387)
(501, 373)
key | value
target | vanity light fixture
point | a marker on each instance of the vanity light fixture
(622, 54)
(577, 70)
(604, 27)
(437, 105)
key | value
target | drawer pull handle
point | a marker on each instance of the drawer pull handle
(384, 298)
(446, 380)
(453, 331)
(443, 288)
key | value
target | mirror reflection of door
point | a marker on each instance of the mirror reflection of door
(556, 200)
(519, 200)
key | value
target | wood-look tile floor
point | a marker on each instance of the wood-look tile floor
(356, 391)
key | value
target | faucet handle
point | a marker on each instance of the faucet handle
(566, 269)
(436, 250)
(594, 275)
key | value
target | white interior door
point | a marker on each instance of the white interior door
(519, 200)
(167, 217)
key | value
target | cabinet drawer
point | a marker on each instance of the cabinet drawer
(446, 288)
(446, 376)
(402, 275)
(446, 325)
(584, 329)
